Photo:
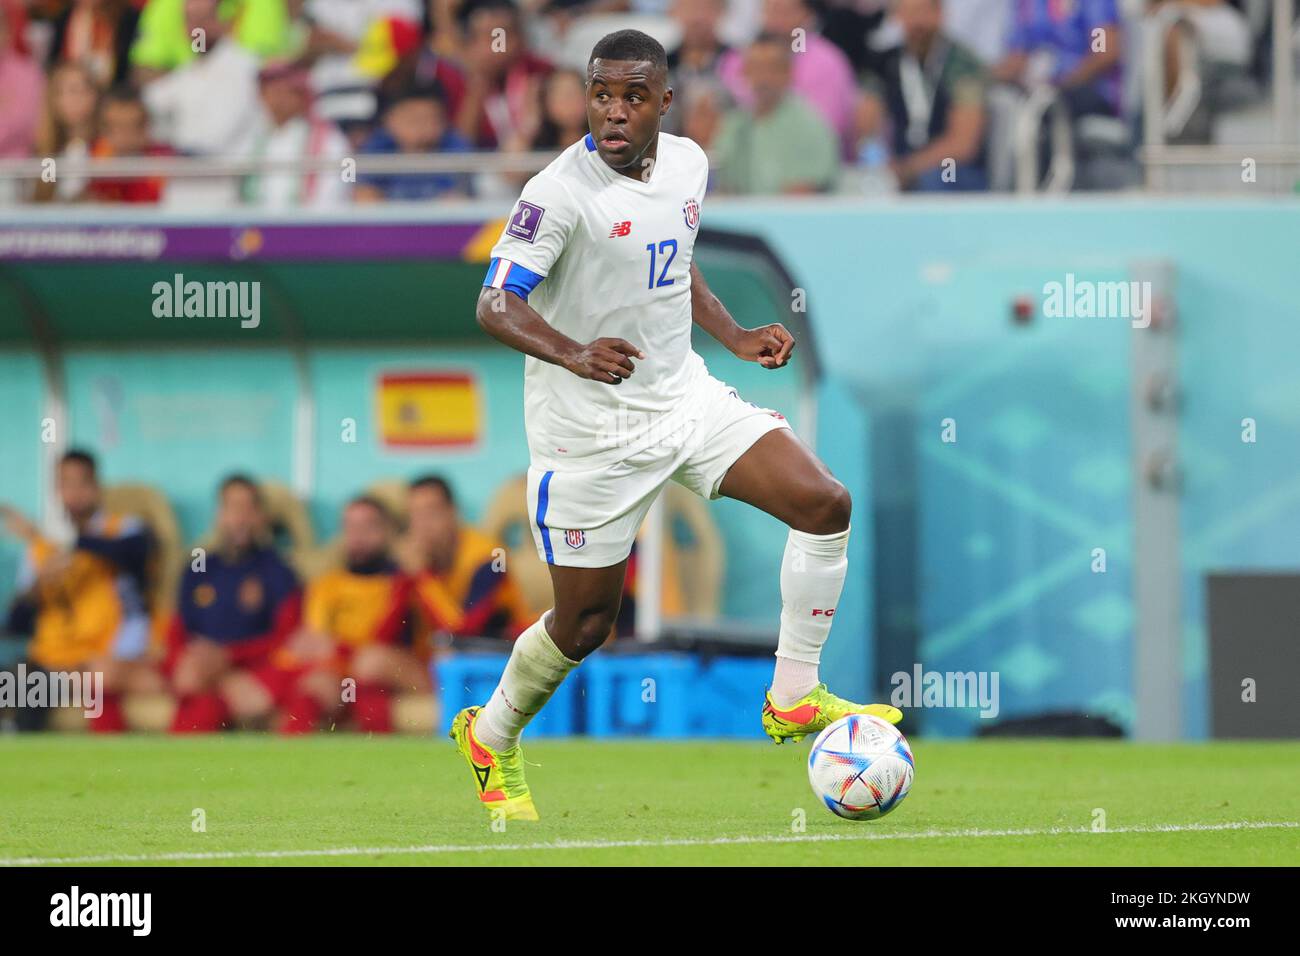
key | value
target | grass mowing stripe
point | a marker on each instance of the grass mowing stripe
(622, 844)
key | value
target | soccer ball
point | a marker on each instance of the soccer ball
(861, 767)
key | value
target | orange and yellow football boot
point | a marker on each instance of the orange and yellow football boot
(498, 775)
(814, 712)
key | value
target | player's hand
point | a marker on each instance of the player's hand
(605, 360)
(769, 345)
(52, 570)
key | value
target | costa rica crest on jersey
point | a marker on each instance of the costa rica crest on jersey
(691, 210)
(575, 539)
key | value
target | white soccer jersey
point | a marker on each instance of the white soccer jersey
(598, 254)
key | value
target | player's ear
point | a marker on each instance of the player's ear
(668, 101)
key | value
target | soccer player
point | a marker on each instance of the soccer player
(593, 280)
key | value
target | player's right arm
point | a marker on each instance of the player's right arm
(509, 319)
(532, 241)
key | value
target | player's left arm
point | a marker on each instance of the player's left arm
(768, 345)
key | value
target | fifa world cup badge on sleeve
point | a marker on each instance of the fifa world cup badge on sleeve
(524, 223)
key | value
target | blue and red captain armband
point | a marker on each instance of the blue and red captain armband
(511, 276)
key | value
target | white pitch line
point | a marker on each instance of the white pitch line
(631, 844)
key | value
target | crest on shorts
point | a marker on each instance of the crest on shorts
(575, 539)
(691, 210)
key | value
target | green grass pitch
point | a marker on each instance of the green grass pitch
(339, 801)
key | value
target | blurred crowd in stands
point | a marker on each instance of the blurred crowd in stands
(789, 96)
(243, 640)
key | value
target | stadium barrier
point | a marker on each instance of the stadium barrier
(627, 695)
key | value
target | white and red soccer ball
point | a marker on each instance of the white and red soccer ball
(861, 767)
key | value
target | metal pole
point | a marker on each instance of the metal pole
(1153, 94)
(1283, 71)
(1157, 562)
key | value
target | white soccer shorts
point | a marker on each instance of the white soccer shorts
(589, 518)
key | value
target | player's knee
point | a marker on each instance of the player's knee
(193, 675)
(831, 509)
(246, 697)
(371, 665)
(587, 630)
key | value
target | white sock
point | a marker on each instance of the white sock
(535, 669)
(812, 577)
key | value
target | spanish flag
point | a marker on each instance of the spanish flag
(429, 409)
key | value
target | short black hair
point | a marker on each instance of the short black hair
(430, 92)
(434, 481)
(471, 7)
(83, 458)
(241, 480)
(122, 94)
(630, 45)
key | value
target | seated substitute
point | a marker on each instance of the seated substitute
(353, 651)
(462, 586)
(84, 605)
(239, 602)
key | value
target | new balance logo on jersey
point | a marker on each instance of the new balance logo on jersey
(621, 229)
(828, 612)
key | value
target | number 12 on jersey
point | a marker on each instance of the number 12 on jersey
(669, 246)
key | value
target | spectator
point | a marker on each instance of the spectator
(356, 623)
(21, 86)
(502, 75)
(236, 608)
(933, 93)
(425, 66)
(693, 64)
(98, 34)
(124, 131)
(288, 129)
(84, 606)
(352, 45)
(461, 583)
(67, 128)
(562, 111)
(821, 73)
(166, 38)
(703, 113)
(415, 124)
(558, 120)
(1075, 46)
(777, 145)
(857, 27)
(203, 107)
